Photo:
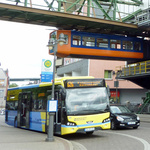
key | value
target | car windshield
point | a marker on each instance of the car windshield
(86, 100)
(119, 109)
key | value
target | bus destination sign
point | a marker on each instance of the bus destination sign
(77, 83)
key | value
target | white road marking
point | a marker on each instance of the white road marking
(144, 142)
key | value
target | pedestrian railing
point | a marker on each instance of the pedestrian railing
(133, 69)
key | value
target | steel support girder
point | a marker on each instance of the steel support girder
(114, 11)
(102, 9)
(130, 16)
(128, 3)
(88, 7)
(137, 1)
(79, 11)
(75, 3)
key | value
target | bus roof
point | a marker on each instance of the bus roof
(58, 81)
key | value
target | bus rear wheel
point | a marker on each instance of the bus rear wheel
(15, 122)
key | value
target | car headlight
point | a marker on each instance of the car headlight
(120, 118)
(138, 118)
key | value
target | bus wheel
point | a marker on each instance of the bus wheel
(89, 133)
(15, 122)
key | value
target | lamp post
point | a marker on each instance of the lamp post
(52, 44)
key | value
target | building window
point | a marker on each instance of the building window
(1, 93)
(108, 74)
(2, 82)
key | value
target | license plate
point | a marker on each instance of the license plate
(130, 123)
(89, 129)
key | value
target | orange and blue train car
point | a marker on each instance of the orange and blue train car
(98, 46)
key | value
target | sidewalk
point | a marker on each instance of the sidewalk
(21, 139)
(144, 117)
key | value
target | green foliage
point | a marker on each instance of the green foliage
(13, 85)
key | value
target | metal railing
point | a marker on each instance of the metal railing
(140, 108)
(133, 69)
(91, 8)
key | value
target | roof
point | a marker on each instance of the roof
(58, 81)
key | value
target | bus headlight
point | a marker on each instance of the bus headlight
(106, 120)
(71, 124)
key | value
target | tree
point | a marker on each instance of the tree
(13, 85)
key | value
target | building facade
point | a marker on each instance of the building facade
(3, 87)
(126, 90)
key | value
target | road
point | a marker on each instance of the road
(122, 139)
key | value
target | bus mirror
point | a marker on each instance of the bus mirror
(108, 90)
(63, 109)
(63, 93)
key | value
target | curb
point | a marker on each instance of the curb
(66, 143)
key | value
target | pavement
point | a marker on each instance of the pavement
(19, 139)
(144, 117)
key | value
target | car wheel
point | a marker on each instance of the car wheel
(113, 126)
(135, 127)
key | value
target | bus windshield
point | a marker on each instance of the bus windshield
(86, 100)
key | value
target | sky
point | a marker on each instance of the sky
(22, 48)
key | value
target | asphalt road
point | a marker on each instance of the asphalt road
(122, 139)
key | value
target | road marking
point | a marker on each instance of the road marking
(78, 146)
(145, 143)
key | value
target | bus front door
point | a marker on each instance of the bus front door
(57, 119)
(24, 105)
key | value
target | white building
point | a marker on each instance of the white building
(3, 86)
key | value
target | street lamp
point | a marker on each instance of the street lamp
(52, 44)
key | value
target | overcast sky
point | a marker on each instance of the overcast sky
(22, 48)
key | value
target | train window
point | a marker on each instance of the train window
(137, 46)
(102, 42)
(53, 35)
(127, 45)
(66, 38)
(115, 44)
(76, 40)
(88, 41)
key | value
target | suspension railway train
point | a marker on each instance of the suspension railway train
(98, 46)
